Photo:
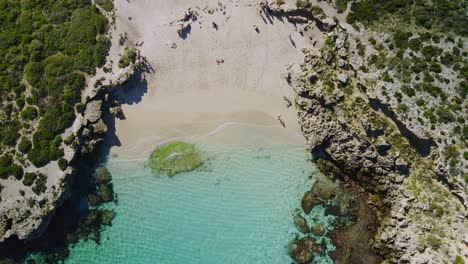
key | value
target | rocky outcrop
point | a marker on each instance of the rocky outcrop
(28, 218)
(344, 133)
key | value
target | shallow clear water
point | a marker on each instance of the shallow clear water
(238, 208)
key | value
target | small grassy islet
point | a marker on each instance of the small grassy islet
(175, 157)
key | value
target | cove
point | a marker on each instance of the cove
(237, 208)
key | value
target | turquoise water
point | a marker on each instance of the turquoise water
(238, 208)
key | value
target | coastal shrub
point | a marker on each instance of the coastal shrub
(175, 157)
(9, 133)
(63, 164)
(58, 65)
(401, 39)
(408, 90)
(16, 171)
(447, 15)
(24, 145)
(435, 67)
(414, 44)
(431, 51)
(48, 50)
(40, 184)
(433, 90)
(402, 108)
(341, 5)
(107, 5)
(445, 115)
(303, 3)
(128, 57)
(434, 242)
(317, 12)
(29, 113)
(29, 178)
(458, 260)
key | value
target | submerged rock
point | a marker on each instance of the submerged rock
(308, 201)
(300, 252)
(103, 175)
(318, 230)
(174, 158)
(301, 224)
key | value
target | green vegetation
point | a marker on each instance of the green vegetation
(45, 48)
(63, 164)
(29, 113)
(9, 168)
(318, 12)
(176, 157)
(29, 178)
(128, 57)
(303, 3)
(439, 14)
(107, 5)
(459, 260)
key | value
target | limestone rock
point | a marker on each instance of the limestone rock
(99, 127)
(93, 111)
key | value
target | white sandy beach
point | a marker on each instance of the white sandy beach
(189, 93)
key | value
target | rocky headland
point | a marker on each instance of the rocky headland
(404, 206)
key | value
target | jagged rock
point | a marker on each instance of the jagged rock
(99, 127)
(86, 132)
(115, 111)
(401, 166)
(301, 224)
(342, 63)
(93, 111)
(372, 126)
(383, 147)
(308, 201)
(342, 78)
(78, 124)
(356, 61)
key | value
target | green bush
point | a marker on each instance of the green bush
(303, 3)
(58, 65)
(29, 113)
(107, 5)
(408, 90)
(63, 164)
(24, 145)
(402, 108)
(29, 178)
(431, 51)
(40, 184)
(445, 115)
(317, 12)
(128, 57)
